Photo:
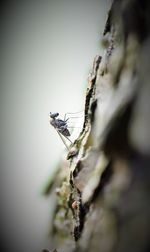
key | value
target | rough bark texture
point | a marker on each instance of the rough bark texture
(103, 190)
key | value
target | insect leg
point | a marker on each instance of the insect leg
(73, 127)
(69, 113)
(63, 140)
(68, 139)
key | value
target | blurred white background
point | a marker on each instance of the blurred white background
(47, 49)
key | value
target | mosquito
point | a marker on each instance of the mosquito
(61, 127)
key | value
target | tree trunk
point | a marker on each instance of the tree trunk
(103, 190)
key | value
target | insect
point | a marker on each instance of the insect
(60, 126)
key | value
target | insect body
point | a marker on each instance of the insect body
(61, 127)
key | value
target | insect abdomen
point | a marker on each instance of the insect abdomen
(64, 131)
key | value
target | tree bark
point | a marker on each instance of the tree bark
(103, 190)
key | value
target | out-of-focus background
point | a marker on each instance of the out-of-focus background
(47, 50)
